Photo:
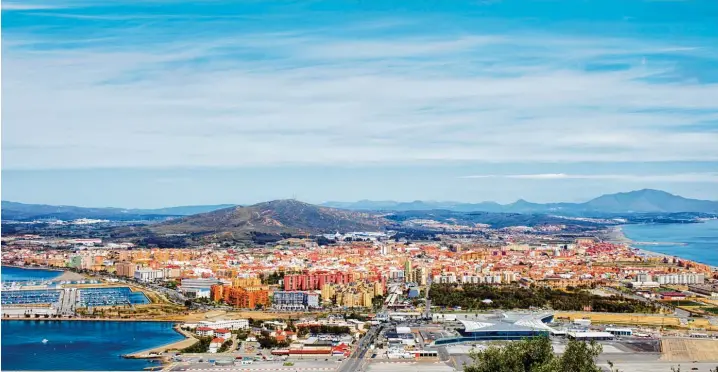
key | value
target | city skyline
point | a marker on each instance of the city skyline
(155, 104)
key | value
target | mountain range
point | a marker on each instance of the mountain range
(286, 215)
(639, 201)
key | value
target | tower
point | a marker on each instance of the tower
(407, 271)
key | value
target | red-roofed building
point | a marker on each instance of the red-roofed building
(215, 344)
(204, 332)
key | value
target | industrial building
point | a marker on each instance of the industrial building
(504, 327)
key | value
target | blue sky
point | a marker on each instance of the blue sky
(156, 103)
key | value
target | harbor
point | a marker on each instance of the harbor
(59, 297)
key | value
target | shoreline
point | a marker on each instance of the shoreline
(617, 236)
(179, 344)
(64, 274)
(88, 320)
(46, 268)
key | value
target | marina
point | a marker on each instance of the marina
(26, 296)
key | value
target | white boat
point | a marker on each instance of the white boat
(44, 340)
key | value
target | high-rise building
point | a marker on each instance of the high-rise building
(126, 269)
(216, 292)
(420, 274)
(314, 281)
(407, 271)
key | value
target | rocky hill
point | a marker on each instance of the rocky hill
(274, 217)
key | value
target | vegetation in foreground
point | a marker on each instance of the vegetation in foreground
(536, 355)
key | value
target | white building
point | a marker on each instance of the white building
(223, 333)
(234, 324)
(313, 300)
(684, 278)
(215, 344)
(204, 332)
(195, 292)
(148, 275)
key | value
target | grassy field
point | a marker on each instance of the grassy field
(668, 321)
(627, 319)
(686, 349)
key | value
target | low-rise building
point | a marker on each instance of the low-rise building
(148, 275)
(204, 331)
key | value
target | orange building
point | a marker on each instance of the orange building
(126, 269)
(216, 292)
(248, 299)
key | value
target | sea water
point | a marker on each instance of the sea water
(80, 345)
(11, 274)
(697, 241)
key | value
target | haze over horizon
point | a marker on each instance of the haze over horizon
(333, 203)
(107, 104)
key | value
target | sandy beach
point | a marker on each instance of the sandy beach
(70, 276)
(615, 235)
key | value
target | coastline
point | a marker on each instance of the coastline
(87, 320)
(187, 341)
(617, 236)
(46, 268)
(65, 275)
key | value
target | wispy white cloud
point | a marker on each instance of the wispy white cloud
(297, 97)
(678, 177)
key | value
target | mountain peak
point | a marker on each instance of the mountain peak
(284, 202)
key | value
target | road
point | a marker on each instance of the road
(68, 301)
(354, 362)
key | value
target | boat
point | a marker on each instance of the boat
(44, 340)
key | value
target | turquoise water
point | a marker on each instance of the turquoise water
(80, 345)
(700, 240)
(17, 274)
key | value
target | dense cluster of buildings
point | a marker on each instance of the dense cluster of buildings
(300, 274)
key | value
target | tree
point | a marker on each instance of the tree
(524, 355)
(536, 355)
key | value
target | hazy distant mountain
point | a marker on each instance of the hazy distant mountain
(648, 200)
(416, 205)
(21, 211)
(274, 217)
(640, 201)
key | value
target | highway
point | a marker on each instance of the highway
(354, 362)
